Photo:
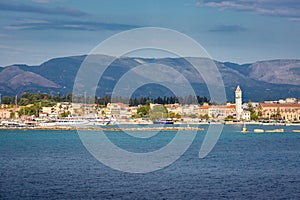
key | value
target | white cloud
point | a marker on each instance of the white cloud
(44, 1)
(278, 8)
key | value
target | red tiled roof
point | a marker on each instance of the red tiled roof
(205, 107)
(280, 105)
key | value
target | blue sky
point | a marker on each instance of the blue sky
(242, 31)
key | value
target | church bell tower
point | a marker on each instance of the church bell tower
(238, 102)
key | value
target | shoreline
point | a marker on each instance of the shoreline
(160, 128)
(107, 128)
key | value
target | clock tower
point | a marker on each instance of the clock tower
(238, 102)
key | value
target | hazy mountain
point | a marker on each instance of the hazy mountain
(259, 81)
(276, 71)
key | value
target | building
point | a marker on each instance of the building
(5, 114)
(286, 111)
(56, 110)
(217, 111)
(190, 109)
(238, 102)
(118, 110)
(8, 113)
(174, 108)
(246, 115)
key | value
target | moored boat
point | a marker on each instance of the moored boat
(258, 130)
(244, 130)
(72, 122)
(275, 131)
(163, 122)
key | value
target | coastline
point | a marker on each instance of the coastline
(107, 128)
(161, 128)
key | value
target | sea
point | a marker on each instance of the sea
(54, 164)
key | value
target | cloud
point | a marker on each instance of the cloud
(228, 28)
(21, 7)
(279, 8)
(32, 24)
(44, 1)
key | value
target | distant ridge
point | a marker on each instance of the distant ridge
(263, 80)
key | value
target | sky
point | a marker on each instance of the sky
(241, 31)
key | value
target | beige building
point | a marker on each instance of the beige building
(6, 113)
(246, 115)
(285, 111)
(174, 108)
(118, 110)
(219, 111)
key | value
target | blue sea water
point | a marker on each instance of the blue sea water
(39, 164)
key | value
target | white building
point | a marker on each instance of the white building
(246, 115)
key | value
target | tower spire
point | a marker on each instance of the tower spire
(238, 102)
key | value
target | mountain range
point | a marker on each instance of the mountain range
(263, 80)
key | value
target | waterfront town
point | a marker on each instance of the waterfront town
(284, 111)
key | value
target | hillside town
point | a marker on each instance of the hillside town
(278, 111)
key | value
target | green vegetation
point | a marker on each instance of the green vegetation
(158, 112)
(50, 100)
(143, 111)
(173, 115)
(206, 117)
(30, 110)
(253, 115)
(65, 114)
(229, 118)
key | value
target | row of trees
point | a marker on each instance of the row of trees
(135, 101)
(158, 112)
(32, 98)
(49, 100)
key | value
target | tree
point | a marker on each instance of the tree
(24, 101)
(259, 111)
(158, 112)
(65, 114)
(6, 100)
(253, 115)
(206, 117)
(251, 108)
(173, 115)
(143, 111)
(12, 115)
(229, 118)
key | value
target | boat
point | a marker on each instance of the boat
(72, 122)
(258, 130)
(163, 122)
(244, 130)
(12, 124)
(47, 124)
(296, 131)
(98, 122)
(275, 131)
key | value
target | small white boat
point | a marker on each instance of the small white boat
(275, 131)
(259, 130)
(72, 122)
(47, 124)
